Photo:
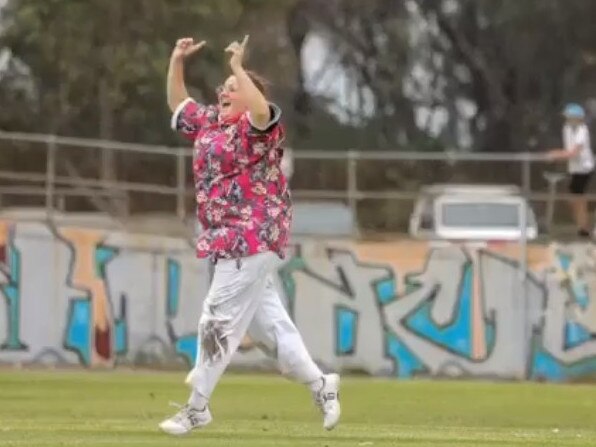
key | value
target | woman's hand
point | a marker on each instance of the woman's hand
(186, 47)
(237, 51)
(175, 85)
(254, 100)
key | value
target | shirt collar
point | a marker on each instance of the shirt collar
(229, 121)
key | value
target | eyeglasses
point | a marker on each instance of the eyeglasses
(225, 89)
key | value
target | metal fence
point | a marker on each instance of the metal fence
(66, 173)
(57, 173)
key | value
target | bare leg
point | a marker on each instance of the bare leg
(579, 206)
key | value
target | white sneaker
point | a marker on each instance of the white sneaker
(186, 420)
(327, 399)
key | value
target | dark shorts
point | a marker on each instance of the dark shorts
(579, 183)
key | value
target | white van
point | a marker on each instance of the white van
(472, 212)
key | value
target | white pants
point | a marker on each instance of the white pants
(242, 298)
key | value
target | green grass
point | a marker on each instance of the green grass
(123, 409)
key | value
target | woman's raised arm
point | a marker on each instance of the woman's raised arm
(176, 87)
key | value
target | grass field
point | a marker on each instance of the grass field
(123, 409)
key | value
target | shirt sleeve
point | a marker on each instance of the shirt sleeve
(271, 137)
(190, 116)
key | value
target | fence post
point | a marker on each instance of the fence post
(50, 175)
(523, 264)
(526, 179)
(181, 184)
(353, 191)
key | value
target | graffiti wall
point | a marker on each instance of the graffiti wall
(100, 299)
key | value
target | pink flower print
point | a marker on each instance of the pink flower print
(242, 201)
(259, 189)
(217, 215)
(274, 199)
(274, 212)
(274, 233)
(221, 232)
(272, 174)
(246, 212)
(216, 166)
(212, 114)
(259, 148)
(248, 224)
(201, 197)
(203, 245)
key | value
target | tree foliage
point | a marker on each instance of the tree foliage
(423, 74)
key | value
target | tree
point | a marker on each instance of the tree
(515, 63)
(488, 74)
(97, 68)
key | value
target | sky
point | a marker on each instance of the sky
(326, 77)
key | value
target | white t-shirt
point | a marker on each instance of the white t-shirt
(583, 162)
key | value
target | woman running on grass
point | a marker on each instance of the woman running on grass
(245, 210)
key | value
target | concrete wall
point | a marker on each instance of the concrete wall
(86, 297)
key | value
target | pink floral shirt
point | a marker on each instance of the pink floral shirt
(243, 200)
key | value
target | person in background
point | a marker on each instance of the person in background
(577, 151)
(245, 210)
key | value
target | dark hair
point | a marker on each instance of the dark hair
(259, 81)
